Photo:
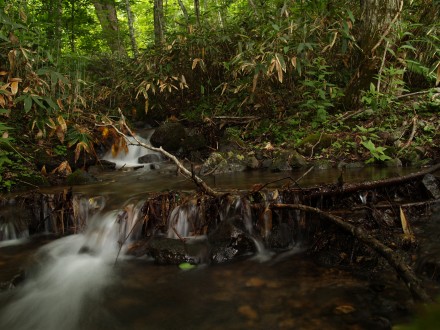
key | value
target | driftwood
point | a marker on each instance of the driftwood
(393, 258)
(336, 189)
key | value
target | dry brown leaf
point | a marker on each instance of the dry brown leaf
(407, 231)
(248, 312)
(344, 309)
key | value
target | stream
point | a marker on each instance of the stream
(85, 281)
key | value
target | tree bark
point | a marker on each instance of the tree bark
(107, 16)
(134, 47)
(184, 11)
(377, 21)
(197, 11)
(159, 23)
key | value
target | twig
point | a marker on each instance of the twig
(413, 133)
(394, 259)
(381, 67)
(417, 93)
(295, 182)
(313, 147)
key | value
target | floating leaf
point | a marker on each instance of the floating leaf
(186, 266)
(344, 309)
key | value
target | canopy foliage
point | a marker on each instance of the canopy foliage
(299, 66)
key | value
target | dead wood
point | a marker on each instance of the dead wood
(367, 185)
(394, 259)
(182, 169)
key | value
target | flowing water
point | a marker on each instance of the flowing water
(84, 281)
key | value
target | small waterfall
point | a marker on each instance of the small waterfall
(68, 277)
(13, 224)
(9, 235)
(182, 221)
(131, 158)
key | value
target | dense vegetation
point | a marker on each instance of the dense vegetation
(364, 73)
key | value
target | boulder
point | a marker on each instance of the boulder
(432, 185)
(169, 136)
(149, 158)
(229, 242)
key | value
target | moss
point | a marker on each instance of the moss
(80, 177)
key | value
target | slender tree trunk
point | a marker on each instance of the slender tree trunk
(197, 11)
(54, 11)
(72, 26)
(159, 23)
(107, 16)
(375, 25)
(184, 11)
(131, 29)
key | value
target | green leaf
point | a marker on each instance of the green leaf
(186, 266)
(27, 103)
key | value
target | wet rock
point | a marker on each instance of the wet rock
(280, 162)
(168, 251)
(432, 185)
(229, 242)
(14, 282)
(169, 136)
(322, 164)
(296, 160)
(281, 237)
(149, 158)
(252, 162)
(394, 162)
(219, 163)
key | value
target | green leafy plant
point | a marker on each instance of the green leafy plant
(377, 153)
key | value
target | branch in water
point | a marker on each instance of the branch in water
(197, 180)
(393, 258)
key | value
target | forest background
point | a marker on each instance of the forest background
(357, 78)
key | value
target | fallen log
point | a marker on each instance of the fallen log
(412, 282)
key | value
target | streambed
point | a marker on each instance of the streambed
(285, 291)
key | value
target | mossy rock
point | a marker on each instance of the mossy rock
(169, 136)
(280, 162)
(315, 142)
(80, 177)
(322, 164)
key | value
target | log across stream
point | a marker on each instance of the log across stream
(286, 226)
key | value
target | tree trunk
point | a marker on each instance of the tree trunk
(131, 29)
(159, 23)
(106, 13)
(197, 11)
(376, 23)
(184, 11)
(72, 26)
(54, 11)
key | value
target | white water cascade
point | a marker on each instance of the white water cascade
(69, 276)
(135, 151)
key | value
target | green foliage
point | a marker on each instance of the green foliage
(319, 94)
(377, 153)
